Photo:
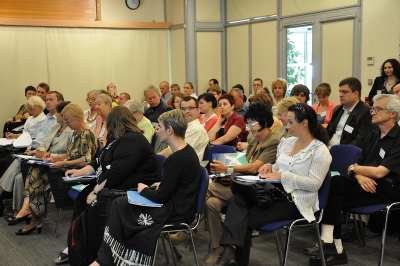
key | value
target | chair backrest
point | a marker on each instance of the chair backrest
(202, 191)
(342, 157)
(99, 147)
(220, 149)
(245, 136)
(207, 152)
(153, 140)
(160, 165)
(324, 191)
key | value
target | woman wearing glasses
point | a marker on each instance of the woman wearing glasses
(103, 105)
(90, 115)
(230, 127)
(261, 150)
(302, 162)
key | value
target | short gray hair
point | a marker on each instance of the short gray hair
(106, 98)
(176, 120)
(97, 92)
(393, 103)
(152, 88)
(134, 106)
(35, 101)
(239, 91)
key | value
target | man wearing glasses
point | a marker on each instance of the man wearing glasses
(156, 106)
(374, 179)
(195, 135)
(351, 121)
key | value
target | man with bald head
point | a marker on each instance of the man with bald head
(164, 88)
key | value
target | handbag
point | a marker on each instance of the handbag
(264, 194)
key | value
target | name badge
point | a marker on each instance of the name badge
(323, 114)
(382, 153)
(348, 129)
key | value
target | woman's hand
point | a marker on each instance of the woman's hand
(271, 176)
(39, 153)
(10, 120)
(241, 146)
(141, 186)
(265, 169)
(90, 198)
(218, 167)
(155, 185)
(221, 119)
(57, 164)
(47, 158)
(72, 172)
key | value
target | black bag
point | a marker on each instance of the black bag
(78, 241)
(104, 199)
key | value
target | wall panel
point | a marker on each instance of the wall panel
(239, 9)
(175, 11)
(208, 11)
(238, 56)
(178, 65)
(293, 7)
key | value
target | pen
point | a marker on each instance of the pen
(48, 156)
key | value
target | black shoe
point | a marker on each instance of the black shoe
(329, 248)
(13, 220)
(37, 227)
(351, 234)
(331, 259)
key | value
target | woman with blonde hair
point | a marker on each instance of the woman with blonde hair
(283, 109)
(279, 88)
(324, 108)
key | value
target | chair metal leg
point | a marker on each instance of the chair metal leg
(58, 221)
(165, 249)
(155, 254)
(288, 232)
(278, 240)
(356, 227)
(382, 253)
(194, 248)
(172, 250)
(321, 250)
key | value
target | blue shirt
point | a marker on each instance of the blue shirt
(44, 132)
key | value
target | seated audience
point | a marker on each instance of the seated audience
(137, 109)
(112, 91)
(230, 127)
(103, 106)
(301, 92)
(22, 114)
(283, 109)
(260, 151)
(207, 106)
(91, 114)
(324, 108)
(156, 106)
(78, 154)
(215, 90)
(302, 163)
(126, 160)
(41, 90)
(165, 93)
(189, 89)
(178, 192)
(195, 135)
(264, 98)
(257, 85)
(374, 179)
(12, 179)
(279, 88)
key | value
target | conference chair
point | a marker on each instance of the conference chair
(342, 157)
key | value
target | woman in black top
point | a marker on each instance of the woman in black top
(126, 160)
(132, 231)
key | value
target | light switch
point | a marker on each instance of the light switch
(370, 60)
(369, 81)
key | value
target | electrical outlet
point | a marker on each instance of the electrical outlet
(369, 81)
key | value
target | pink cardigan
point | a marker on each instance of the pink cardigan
(329, 110)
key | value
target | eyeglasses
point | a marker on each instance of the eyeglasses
(251, 125)
(377, 109)
(190, 108)
(299, 107)
(90, 99)
(66, 120)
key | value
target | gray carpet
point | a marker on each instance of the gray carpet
(42, 249)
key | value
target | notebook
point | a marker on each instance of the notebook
(135, 198)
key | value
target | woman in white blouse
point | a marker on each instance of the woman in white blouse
(301, 166)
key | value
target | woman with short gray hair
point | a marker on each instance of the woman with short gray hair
(90, 115)
(137, 109)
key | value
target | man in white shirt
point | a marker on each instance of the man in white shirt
(351, 121)
(196, 136)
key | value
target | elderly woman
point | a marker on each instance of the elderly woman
(283, 108)
(126, 160)
(79, 152)
(301, 166)
(324, 108)
(279, 87)
(35, 106)
(137, 228)
(137, 109)
(207, 105)
(91, 114)
(103, 105)
(260, 151)
(230, 127)
(301, 92)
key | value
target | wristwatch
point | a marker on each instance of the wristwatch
(352, 169)
(230, 169)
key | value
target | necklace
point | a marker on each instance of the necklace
(88, 117)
